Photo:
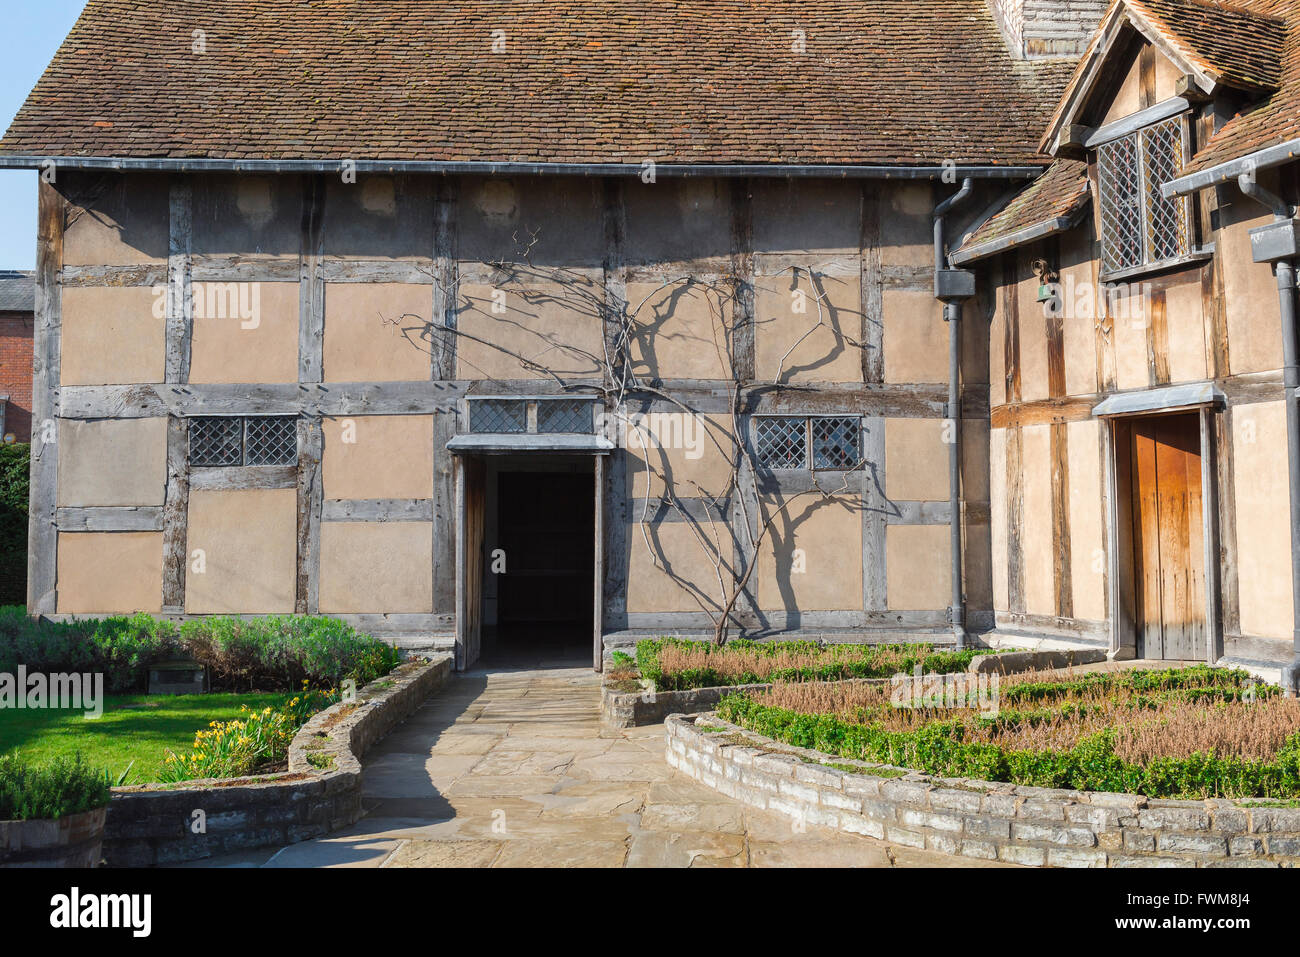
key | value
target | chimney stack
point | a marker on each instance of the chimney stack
(1042, 29)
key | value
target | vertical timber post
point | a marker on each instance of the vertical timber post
(180, 338)
(42, 533)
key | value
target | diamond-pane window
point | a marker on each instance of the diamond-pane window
(270, 440)
(498, 415)
(1139, 226)
(564, 415)
(835, 442)
(228, 441)
(1120, 188)
(1166, 219)
(781, 442)
(216, 441)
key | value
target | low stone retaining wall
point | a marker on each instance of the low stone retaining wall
(1040, 827)
(321, 791)
(634, 709)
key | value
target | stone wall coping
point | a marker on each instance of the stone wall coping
(988, 820)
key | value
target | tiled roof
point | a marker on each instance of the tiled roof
(1052, 202)
(1242, 47)
(1276, 118)
(17, 291)
(700, 81)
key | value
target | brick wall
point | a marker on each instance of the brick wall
(16, 372)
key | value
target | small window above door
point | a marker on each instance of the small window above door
(544, 415)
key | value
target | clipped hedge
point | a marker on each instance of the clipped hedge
(843, 662)
(277, 653)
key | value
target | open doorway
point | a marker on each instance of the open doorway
(1168, 536)
(539, 560)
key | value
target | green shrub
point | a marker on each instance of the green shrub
(266, 654)
(284, 652)
(15, 480)
(59, 789)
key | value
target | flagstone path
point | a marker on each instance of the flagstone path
(509, 768)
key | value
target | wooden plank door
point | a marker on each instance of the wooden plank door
(1168, 537)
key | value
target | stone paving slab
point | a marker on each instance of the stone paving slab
(511, 769)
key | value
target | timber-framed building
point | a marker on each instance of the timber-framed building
(896, 320)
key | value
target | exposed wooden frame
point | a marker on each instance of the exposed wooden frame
(311, 292)
(872, 288)
(311, 450)
(378, 510)
(446, 278)
(244, 477)
(128, 518)
(876, 513)
(175, 515)
(327, 399)
(47, 334)
(180, 304)
(744, 268)
(179, 346)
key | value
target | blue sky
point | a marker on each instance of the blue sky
(31, 34)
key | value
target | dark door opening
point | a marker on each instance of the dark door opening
(539, 565)
(1168, 537)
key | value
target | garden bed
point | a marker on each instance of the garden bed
(135, 731)
(1180, 733)
(674, 676)
(1191, 767)
(1017, 824)
(272, 673)
(321, 791)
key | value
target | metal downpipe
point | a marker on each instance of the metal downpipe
(952, 315)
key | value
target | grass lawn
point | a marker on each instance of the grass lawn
(139, 728)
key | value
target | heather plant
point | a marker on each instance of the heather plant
(676, 665)
(1185, 733)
